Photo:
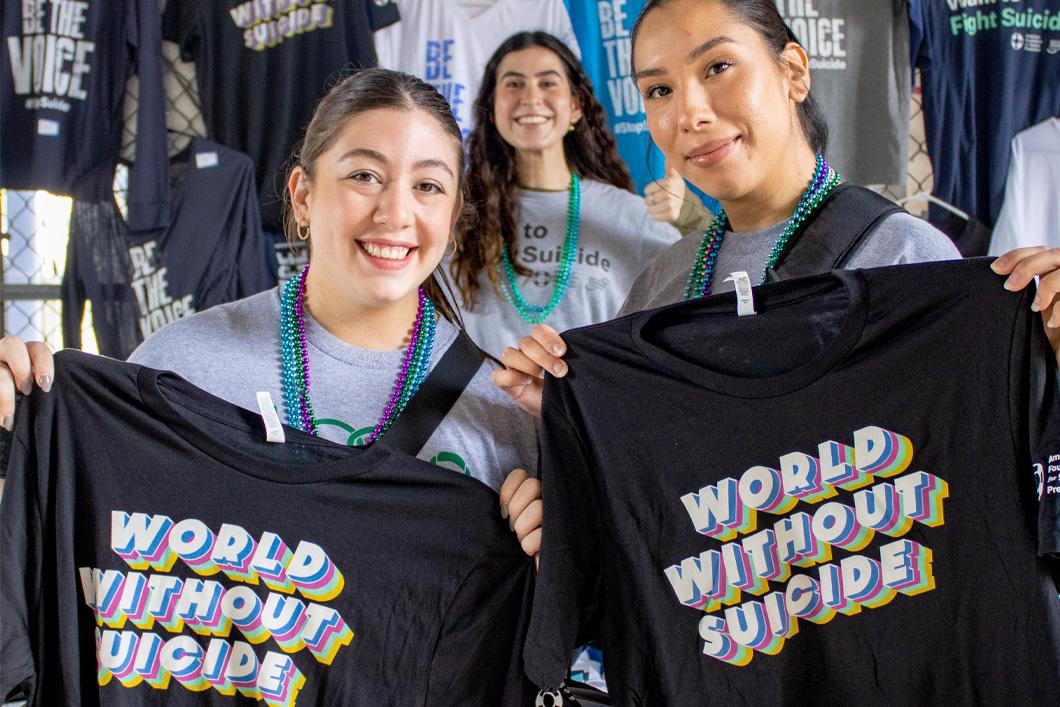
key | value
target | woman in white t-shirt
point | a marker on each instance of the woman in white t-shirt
(560, 233)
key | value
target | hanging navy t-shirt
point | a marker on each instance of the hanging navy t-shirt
(157, 550)
(262, 67)
(852, 496)
(63, 68)
(989, 69)
(212, 252)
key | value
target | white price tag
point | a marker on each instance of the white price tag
(204, 160)
(47, 127)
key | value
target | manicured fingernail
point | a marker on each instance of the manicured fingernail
(1053, 322)
(559, 368)
(1009, 285)
(557, 349)
(1035, 307)
(45, 383)
(504, 511)
(993, 266)
(26, 387)
(8, 423)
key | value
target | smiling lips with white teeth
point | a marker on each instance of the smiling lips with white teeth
(531, 119)
(385, 252)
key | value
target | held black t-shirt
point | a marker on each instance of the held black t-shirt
(156, 550)
(262, 67)
(853, 496)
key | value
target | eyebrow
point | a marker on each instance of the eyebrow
(546, 72)
(379, 157)
(692, 56)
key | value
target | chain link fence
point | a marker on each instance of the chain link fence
(35, 225)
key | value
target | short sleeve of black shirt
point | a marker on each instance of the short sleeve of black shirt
(180, 24)
(1036, 425)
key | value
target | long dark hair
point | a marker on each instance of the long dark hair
(763, 17)
(360, 92)
(493, 180)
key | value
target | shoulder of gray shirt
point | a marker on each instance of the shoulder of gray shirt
(900, 238)
(630, 218)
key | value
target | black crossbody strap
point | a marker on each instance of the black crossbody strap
(846, 218)
(436, 397)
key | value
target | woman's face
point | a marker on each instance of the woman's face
(381, 205)
(718, 103)
(533, 105)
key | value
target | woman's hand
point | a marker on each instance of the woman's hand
(521, 505)
(664, 198)
(1021, 265)
(670, 201)
(20, 365)
(523, 375)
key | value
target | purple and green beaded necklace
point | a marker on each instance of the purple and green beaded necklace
(701, 278)
(294, 352)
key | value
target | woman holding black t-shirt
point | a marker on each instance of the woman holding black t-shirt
(377, 190)
(726, 90)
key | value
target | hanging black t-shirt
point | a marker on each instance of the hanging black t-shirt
(262, 67)
(63, 68)
(989, 69)
(211, 252)
(853, 496)
(149, 519)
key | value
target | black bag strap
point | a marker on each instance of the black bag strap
(826, 241)
(436, 396)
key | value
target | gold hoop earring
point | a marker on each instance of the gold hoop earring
(450, 253)
(302, 230)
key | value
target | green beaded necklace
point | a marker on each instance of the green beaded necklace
(534, 314)
(701, 277)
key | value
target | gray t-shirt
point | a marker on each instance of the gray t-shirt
(900, 238)
(233, 351)
(616, 240)
(859, 66)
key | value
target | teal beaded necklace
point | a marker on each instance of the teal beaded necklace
(534, 314)
(701, 278)
(294, 353)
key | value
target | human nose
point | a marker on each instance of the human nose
(531, 95)
(394, 208)
(695, 107)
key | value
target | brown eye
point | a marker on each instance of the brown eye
(657, 92)
(718, 67)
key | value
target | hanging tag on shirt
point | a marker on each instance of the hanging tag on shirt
(49, 128)
(273, 428)
(745, 301)
(204, 160)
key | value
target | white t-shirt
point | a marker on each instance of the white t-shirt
(616, 240)
(448, 47)
(1031, 212)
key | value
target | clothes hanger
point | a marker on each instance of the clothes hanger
(931, 198)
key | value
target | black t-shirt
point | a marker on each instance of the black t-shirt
(711, 481)
(262, 67)
(63, 69)
(212, 252)
(302, 573)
